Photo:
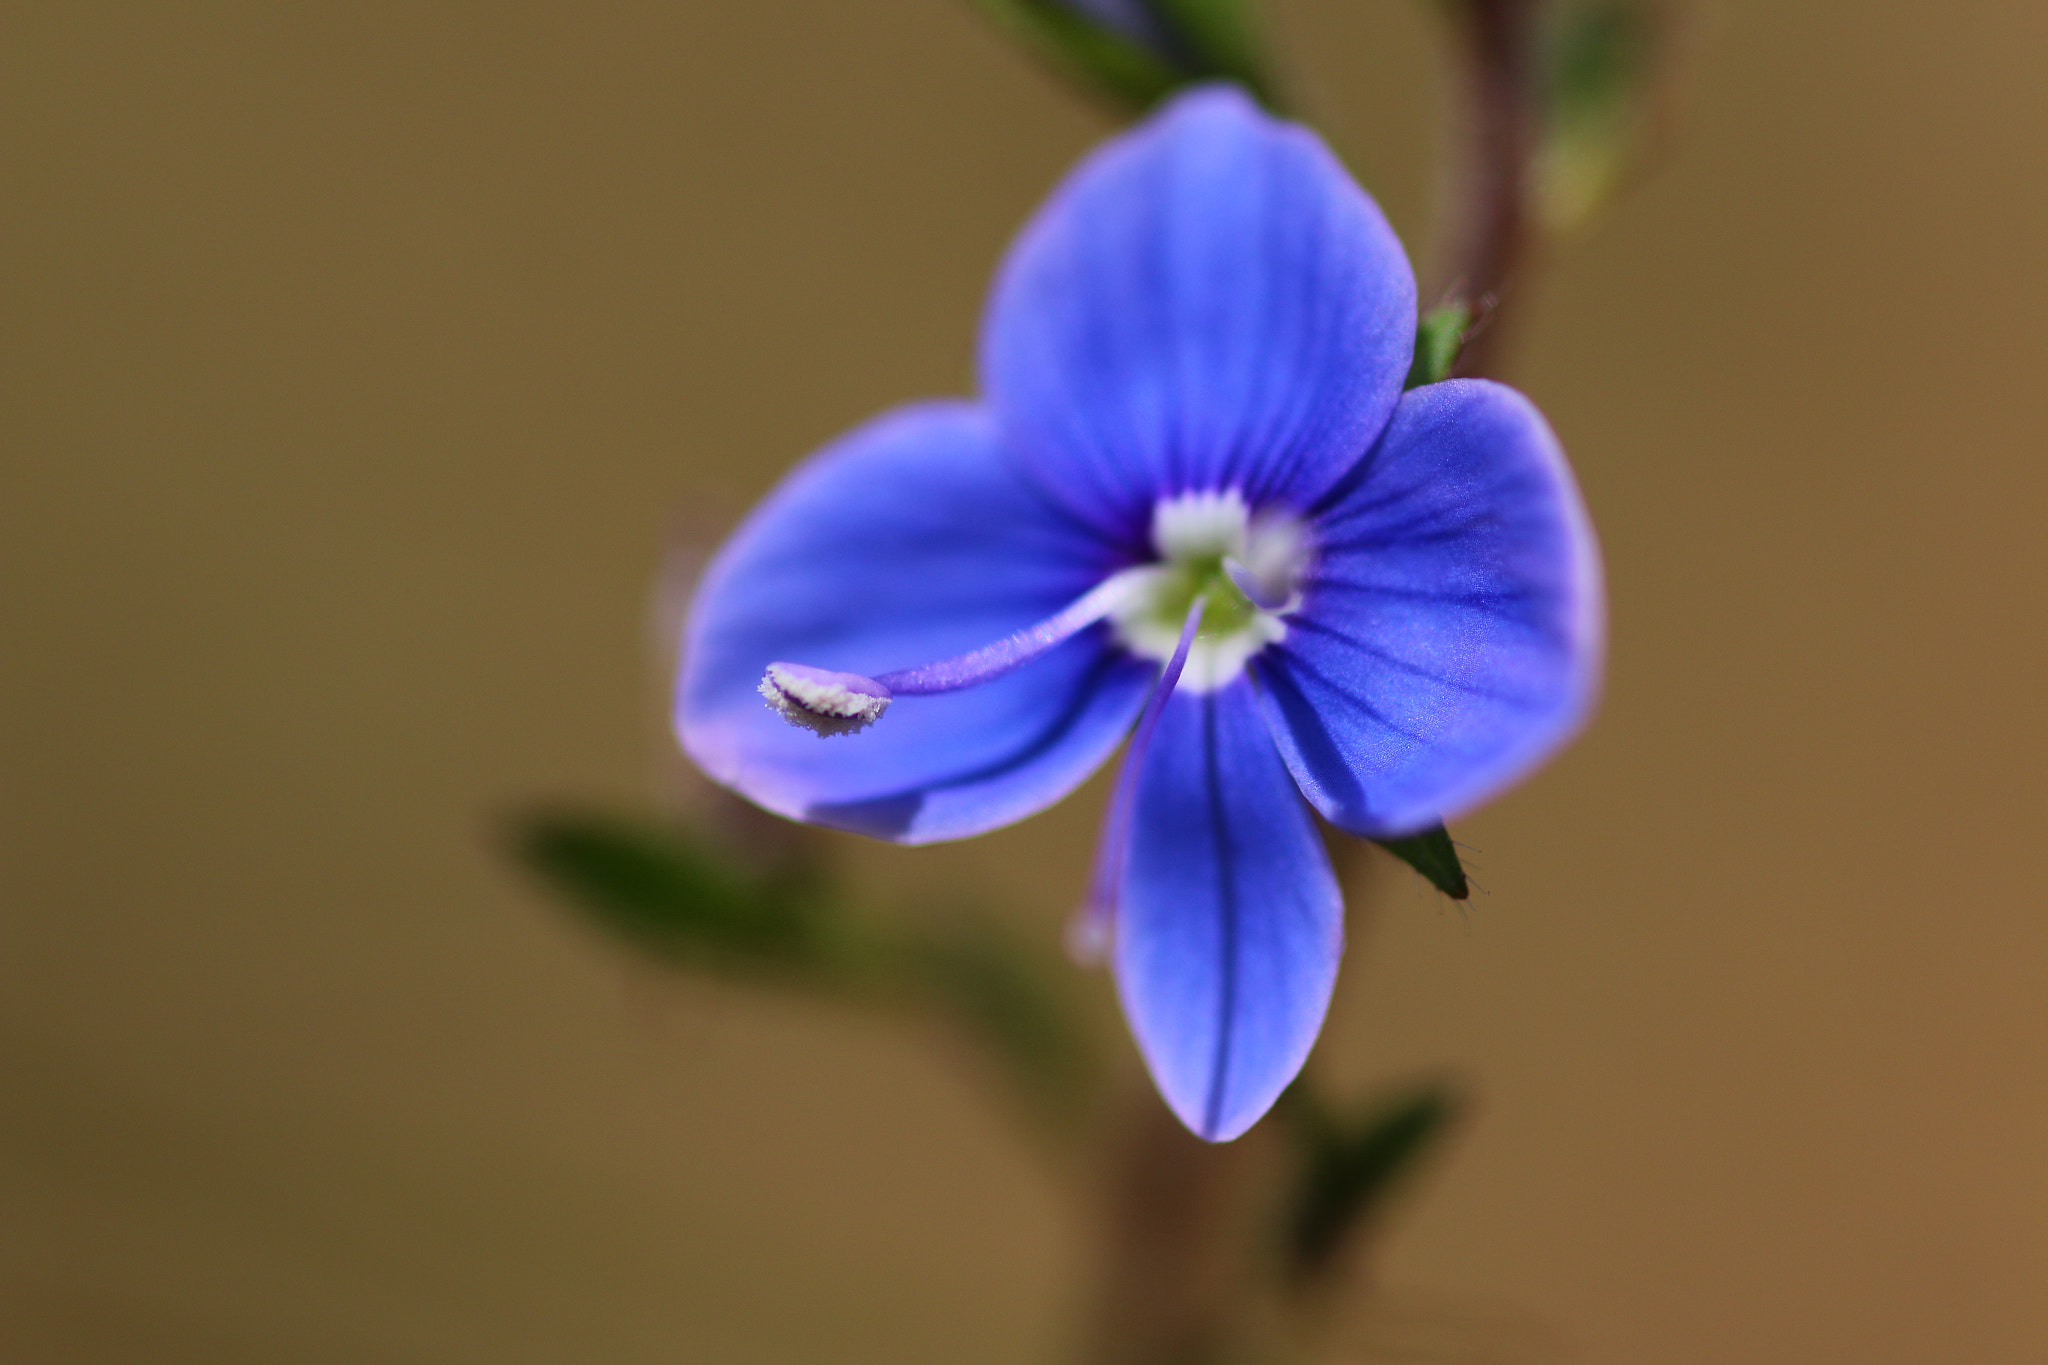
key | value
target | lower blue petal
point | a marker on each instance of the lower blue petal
(906, 541)
(1230, 923)
(1449, 637)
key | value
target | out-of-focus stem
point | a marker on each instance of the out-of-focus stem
(1187, 1240)
(1491, 216)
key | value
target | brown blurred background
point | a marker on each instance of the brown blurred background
(361, 361)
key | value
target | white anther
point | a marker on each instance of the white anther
(1276, 554)
(821, 701)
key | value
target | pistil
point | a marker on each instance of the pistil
(1088, 938)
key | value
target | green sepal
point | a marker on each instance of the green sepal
(1433, 855)
(1351, 1169)
(1439, 336)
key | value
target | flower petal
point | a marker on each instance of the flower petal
(1230, 922)
(1207, 302)
(906, 541)
(1450, 634)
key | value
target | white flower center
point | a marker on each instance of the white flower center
(1248, 566)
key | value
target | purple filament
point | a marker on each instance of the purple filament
(1090, 935)
(1013, 651)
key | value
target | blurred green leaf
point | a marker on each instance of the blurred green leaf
(997, 991)
(1199, 40)
(1222, 42)
(1600, 67)
(1350, 1170)
(1433, 855)
(679, 895)
(1597, 53)
(1093, 56)
(685, 898)
(1438, 338)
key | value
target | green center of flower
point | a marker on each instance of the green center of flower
(1245, 568)
(1171, 588)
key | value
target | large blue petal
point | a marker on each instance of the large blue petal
(908, 540)
(1449, 637)
(1208, 301)
(1230, 923)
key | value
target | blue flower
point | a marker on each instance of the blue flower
(1195, 509)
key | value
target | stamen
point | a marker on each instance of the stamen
(835, 703)
(992, 661)
(1088, 936)
(1276, 556)
(822, 701)
(1265, 596)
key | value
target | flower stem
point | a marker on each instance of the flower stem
(1491, 226)
(1186, 1244)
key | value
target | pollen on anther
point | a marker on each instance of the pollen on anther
(823, 701)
